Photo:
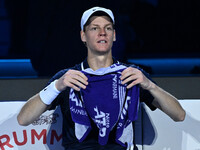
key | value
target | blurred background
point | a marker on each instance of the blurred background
(40, 37)
(43, 36)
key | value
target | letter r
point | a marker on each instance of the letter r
(7, 142)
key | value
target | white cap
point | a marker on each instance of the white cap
(86, 15)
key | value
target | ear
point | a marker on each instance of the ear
(114, 37)
(83, 36)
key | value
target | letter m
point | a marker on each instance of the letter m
(34, 134)
(54, 134)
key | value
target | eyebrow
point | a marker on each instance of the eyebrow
(99, 25)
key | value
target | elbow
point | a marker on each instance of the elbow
(180, 117)
(21, 121)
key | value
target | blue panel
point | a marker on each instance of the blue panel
(15, 68)
(181, 66)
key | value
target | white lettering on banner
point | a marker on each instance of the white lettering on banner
(114, 87)
(73, 98)
(5, 139)
(78, 111)
(102, 132)
(103, 121)
(125, 108)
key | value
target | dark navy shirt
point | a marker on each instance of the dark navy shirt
(70, 141)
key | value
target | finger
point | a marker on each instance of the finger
(73, 86)
(132, 84)
(80, 79)
(129, 79)
(77, 83)
(77, 75)
(127, 72)
(81, 75)
(124, 73)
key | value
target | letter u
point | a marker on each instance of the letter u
(16, 140)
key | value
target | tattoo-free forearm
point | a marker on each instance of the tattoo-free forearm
(31, 110)
(167, 103)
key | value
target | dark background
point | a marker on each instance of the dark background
(48, 31)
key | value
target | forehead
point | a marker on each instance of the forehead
(99, 20)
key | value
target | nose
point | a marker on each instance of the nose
(102, 32)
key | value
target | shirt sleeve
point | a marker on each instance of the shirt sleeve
(147, 98)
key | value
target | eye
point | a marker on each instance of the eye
(109, 28)
(94, 28)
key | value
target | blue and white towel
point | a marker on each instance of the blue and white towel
(108, 103)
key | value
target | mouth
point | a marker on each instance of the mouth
(102, 41)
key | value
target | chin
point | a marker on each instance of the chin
(102, 52)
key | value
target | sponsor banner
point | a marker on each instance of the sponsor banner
(170, 135)
(43, 134)
(154, 129)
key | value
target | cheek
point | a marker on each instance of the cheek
(90, 37)
(90, 40)
(111, 36)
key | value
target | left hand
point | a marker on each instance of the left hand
(134, 76)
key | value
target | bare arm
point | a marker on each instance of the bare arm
(162, 99)
(31, 110)
(167, 103)
(34, 107)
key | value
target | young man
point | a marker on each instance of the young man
(98, 34)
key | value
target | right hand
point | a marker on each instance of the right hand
(73, 79)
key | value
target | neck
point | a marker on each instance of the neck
(98, 62)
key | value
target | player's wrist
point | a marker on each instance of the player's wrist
(49, 93)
